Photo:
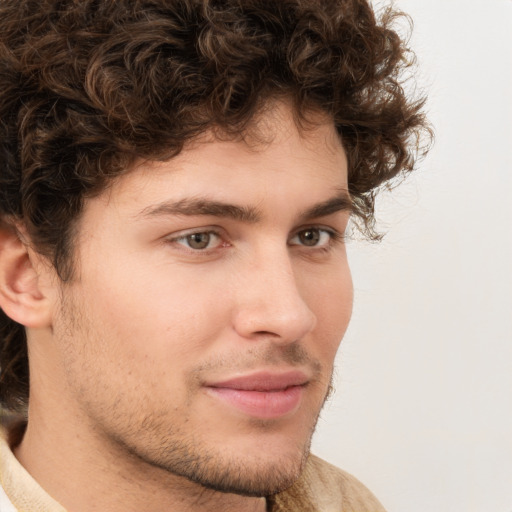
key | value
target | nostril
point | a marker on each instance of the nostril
(268, 333)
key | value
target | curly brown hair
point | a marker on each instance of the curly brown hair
(87, 87)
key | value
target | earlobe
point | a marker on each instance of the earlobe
(21, 297)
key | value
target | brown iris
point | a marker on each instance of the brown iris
(199, 240)
(309, 237)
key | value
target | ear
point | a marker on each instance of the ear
(21, 295)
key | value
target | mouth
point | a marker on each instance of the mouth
(263, 395)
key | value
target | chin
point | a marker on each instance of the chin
(251, 478)
(260, 469)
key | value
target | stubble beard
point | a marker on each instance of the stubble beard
(210, 469)
(159, 444)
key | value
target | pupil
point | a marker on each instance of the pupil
(199, 240)
(310, 237)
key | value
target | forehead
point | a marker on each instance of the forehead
(275, 158)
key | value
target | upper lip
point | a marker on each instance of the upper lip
(263, 381)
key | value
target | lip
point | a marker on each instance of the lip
(265, 395)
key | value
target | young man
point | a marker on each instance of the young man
(176, 180)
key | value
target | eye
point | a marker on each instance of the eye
(200, 240)
(312, 237)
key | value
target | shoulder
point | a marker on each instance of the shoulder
(323, 487)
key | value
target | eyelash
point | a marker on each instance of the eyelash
(334, 237)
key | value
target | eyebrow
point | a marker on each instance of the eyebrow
(341, 202)
(247, 214)
(199, 206)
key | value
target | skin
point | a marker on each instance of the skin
(122, 416)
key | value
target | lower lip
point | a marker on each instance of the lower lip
(261, 404)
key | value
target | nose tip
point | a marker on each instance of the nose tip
(274, 308)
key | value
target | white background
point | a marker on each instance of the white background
(423, 408)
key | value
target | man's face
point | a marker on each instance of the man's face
(211, 294)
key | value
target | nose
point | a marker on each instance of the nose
(269, 302)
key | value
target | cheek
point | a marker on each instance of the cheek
(331, 300)
(159, 316)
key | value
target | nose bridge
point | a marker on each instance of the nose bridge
(271, 302)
